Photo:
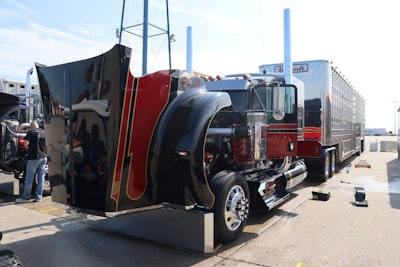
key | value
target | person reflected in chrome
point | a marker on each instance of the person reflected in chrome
(35, 142)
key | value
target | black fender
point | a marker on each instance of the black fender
(177, 150)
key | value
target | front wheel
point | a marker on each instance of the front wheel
(231, 207)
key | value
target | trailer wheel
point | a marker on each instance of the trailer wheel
(326, 168)
(231, 207)
(333, 163)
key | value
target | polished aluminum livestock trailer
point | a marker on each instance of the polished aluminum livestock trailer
(334, 122)
(398, 133)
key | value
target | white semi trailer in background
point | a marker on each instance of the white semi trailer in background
(31, 97)
(334, 121)
(398, 133)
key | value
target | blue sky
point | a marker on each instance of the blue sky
(359, 36)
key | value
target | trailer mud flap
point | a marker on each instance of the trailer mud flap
(309, 149)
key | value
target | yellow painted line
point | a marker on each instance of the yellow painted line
(48, 210)
(299, 264)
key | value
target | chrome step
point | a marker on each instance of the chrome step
(274, 200)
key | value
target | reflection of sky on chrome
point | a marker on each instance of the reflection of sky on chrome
(370, 184)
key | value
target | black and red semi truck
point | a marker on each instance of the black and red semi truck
(121, 143)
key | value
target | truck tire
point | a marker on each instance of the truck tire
(333, 163)
(325, 167)
(231, 207)
(9, 258)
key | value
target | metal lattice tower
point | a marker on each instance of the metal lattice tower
(145, 29)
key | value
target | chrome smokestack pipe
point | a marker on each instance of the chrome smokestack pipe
(28, 92)
(189, 52)
(287, 64)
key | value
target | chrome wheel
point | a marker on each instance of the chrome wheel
(333, 163)
(327, 166)
(231, 207)
(236, 208)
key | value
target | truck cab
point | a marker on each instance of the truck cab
(265, 108)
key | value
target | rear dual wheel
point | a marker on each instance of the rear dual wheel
(326, 167)
(329, 165)
(333, 162)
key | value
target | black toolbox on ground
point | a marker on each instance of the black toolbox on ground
(321, 195)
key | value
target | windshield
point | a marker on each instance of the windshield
(239, 99)
(262, 98)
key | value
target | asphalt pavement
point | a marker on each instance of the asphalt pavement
(300, 232)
